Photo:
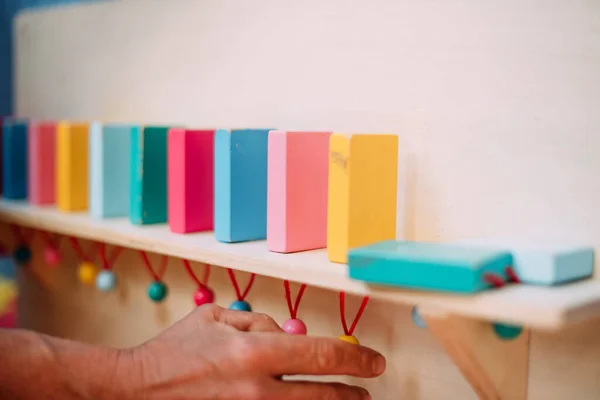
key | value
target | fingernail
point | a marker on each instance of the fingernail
(379, 365)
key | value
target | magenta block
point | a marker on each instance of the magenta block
(41, 156)
(190, 180)
(298, 171)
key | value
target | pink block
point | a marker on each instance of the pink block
(190, 180)
(41, 156)
(298, 171)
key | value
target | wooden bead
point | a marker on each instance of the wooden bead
(22, 255)
(240, 305)
(507, 332)
(204, 296)
(349, 339)
(106, 280)
(87, 273)
(157, 291)
(294, 327)
(51, 256)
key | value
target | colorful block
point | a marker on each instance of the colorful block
(72, 166)
(148, 202)
(363, 176)
(110, 160)
(540, 263)
(241, 184)
(42, 162)
(430, 266)
(298, 171)
(14, 159)
(190, 180)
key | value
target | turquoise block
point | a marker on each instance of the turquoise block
(14, 159)
(110, 158)
(430, 266)
(148, 200)
(241, 184)
(543, 263)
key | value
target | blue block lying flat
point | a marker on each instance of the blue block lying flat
(428, 266)
(14, 159)
(110, 159)
(241, 184)
(544, 263)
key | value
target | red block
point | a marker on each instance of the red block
(41, 159)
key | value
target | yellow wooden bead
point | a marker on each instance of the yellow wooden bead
(349, 339)
(87, 273)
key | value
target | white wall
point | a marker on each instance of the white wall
(496, 104)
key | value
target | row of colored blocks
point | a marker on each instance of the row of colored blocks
(298, 190)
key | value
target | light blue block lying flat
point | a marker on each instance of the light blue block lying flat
(429, 266)
(543, 263)
(110, 159)
(241, 184)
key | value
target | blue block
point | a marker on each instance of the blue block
(110, 160)
(241, 184)
(430, 266)
(14, 159)
(543, 263)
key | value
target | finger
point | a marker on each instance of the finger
(246, 321)
(298, 390)
(304, 355)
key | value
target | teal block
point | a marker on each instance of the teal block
(148, 201)
(241, 184)
(545, 264)
(429, 266)
(110, 159)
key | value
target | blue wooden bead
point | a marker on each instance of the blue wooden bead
(106, 280)
(157, 291)
(240, 305)
(507, 332)
(416, 318)
(22, 255)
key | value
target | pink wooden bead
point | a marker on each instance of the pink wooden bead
(41, 156)
(51, 256)
(294, 327)
(203, 296)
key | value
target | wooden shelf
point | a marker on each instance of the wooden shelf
(548, 308)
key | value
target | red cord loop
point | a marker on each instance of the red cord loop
(240, 296)
(512, 275)
(188, 268)
(363, 305)
(156, 276)
(288, 296)
(495, 280)
(80, 253)
(22, 236)
(106, 262)
(52, 241)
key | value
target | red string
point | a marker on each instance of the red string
(240, 296)
(288, 296)
(22, 238)
(363, 305)
(494, 280)
(106, 263)
(512, 275)
(51, 241)
(188, 267)
(80, 253)
(157, 277)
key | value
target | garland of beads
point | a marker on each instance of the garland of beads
(240, 304)
(157, 291)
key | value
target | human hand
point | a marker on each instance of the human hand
(215, 353)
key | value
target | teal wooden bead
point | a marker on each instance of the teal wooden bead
(507, 332)
(240, 305)
(416, 318)
(22, 255)
(157, 291)
(106, 280)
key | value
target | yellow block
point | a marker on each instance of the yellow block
(72, 166)
(363, 179)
